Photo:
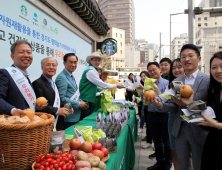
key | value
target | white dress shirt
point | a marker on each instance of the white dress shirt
(192, 78)
(93, 77)
(129, 85)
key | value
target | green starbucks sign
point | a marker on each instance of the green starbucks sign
(109, 46)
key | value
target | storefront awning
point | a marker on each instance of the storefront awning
(90, 13)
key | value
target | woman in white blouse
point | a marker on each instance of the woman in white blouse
(129, 84)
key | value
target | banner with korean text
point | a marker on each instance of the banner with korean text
(20, 19)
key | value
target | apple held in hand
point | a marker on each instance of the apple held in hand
(75, 144)
(186, 91)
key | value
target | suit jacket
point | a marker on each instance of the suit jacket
(67, 89)
(43, 88)
(10, 95)
(200, 88)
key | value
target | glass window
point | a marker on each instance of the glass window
(120, 35)
(199, 19)
(199, 25)
(205, 18)
(205, 24)
(116, 34)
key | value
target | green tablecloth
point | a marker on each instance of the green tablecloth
(124, 158)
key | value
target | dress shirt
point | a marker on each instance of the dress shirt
(129, 84)
(93, 77)
(162, 85)
(52, 83)
(191, 79)
(72, 78)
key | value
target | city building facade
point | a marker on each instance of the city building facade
(177, 44)
(120, 14)
(208, 33)
(118, 59)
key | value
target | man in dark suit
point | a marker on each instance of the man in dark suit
(45, 87)
(14, 98)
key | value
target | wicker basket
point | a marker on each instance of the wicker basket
(22, 144)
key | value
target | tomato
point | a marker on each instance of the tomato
(60, 164)
(58, 152)
(64, 167)
(69, 167)
(38, 160)
(70, 162)
(42, 158)
(75, 161)
(46, 164)
(65, 159)
(48, 156)
(42, 162)
(56, 166)
(59, 168)
(37, 165)
(63, 155)
(69, 156)
(49, 160)
(53, 162)
(73, 168)
(97, 146)
(105, 151)
(51, 166)
(42, 167)
(47, 168)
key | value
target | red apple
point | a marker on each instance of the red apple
(97, 146)
(98, 153)
(86, 147)
(74, 152)
(105, 151)
(75, 144)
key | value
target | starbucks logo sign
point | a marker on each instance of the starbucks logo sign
(23, 10)
(109, 46)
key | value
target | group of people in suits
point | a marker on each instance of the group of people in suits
(196, 146)
(15, 96)
(201, 143)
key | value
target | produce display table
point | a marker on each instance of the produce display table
(124, 158)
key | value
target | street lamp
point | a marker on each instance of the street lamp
(170, 29)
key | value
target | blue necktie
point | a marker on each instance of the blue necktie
(52, 84)
(73, 79)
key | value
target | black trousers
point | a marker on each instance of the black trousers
(86, 112)
(149, 137)
(158, 125)
(129, 96)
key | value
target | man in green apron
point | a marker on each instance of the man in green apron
(89, 82)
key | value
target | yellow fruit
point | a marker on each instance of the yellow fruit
(149, 93)
(41, 101)
(29, 113)
(186, 91)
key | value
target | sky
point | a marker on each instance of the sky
(153, 17)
